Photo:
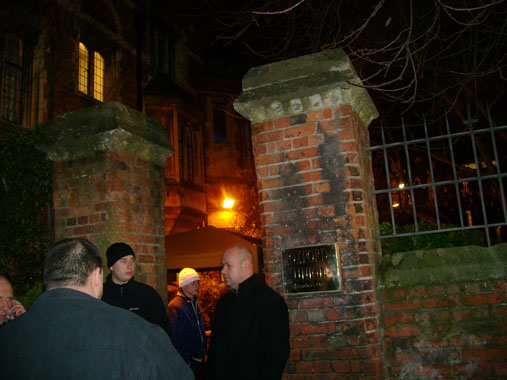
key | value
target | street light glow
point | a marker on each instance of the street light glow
(228, 203)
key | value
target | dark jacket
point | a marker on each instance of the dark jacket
(67, 334)
(250, 334)
(139, 298)
(187, 327)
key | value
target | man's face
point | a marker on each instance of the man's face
(191, 290)
(5, 296)
(123, 270)
(233, 269)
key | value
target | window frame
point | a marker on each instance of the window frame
(13, 114)
(91, 69)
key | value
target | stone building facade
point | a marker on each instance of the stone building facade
(61, 56)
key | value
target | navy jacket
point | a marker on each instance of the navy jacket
(250, 334)
(138, 298)
(67, 334)
(187, 328)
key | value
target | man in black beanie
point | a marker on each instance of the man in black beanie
(121, 290)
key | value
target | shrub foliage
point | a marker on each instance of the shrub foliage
(25, 201)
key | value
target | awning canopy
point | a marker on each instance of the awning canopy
(203, 248)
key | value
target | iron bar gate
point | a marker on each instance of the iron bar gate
(455, 179)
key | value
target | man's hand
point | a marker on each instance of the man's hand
(16, 309)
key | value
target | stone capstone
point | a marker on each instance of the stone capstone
(109, 127)
(303, 84)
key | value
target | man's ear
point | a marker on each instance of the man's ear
(97, 276)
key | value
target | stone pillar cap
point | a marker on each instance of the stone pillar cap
(302, 84)
(109, 127)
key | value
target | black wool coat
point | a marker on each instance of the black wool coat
(250, 334)
(67, 334)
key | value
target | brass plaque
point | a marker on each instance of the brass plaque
(311, 269)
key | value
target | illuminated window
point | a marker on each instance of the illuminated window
(83, 68)
(12, 79)
(91, 73)
(98, 77)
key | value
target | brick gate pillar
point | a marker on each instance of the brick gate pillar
(315, 183)
(108, 183)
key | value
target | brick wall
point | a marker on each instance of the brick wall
(108, 186)
(450, 320)
(311, 172)
(113, 197)
(309, 134)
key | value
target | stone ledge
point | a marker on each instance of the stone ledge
(443, 266)
(303, 84)
(109, 127)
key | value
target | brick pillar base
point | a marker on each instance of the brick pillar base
(109, 183)
(309, 134)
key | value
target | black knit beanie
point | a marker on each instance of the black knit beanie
(116, 251)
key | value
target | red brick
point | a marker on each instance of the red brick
(501, 310)
(303, 165)
(300, 154)
(498, 286)
(345, 110)
(314, 116)
(310, 303)
(269, 159)
(283, 145)
(282, 123)
(83, 230)
(266, 137)
(269, 183)
(270, 206)
(341, 366)
(326, 211)
(314, 200)
(300, 142)
(295, 355)
(483, 354)
(501, 369)
(312, 176)
(433, 303)
(401, 331)
(398, 292)
(305, 367)
(346, 134)
(482, 299)
(328, 113)
(299, 131)
(317, 328)
(259, 149)
(322, 187)
(261, 127)
(322, 367)
(334, 314)
(404, 305)
(435, 290)
(319, 340)
(300, 341)
(329, 125)
(418, 291)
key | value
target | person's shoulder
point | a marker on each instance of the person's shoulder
(177, 301)
(142, 286)
(268, 293)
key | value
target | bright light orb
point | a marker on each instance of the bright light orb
(228, 203)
